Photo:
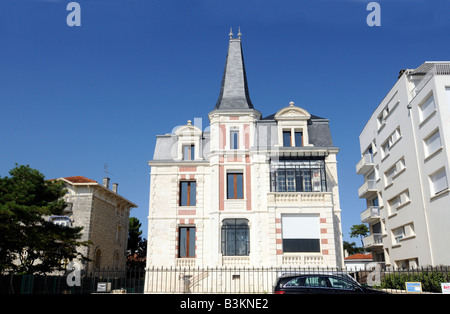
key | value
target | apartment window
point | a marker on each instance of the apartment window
(296, 175)
(398, 201)
(432, 143)
(186, 242)
(235, 237)
(426, 108)
(188, 152)
(234, 139)
(235, 185)
(398, 234)
(300, 233)
(188, 191)
(394, 170)
(438, 182)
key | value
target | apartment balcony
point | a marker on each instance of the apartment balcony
(368, 189)
(370, 215)
(373, 241)
(365, 164)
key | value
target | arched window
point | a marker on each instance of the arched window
(235, 237)
(97, 258)
(116, 260)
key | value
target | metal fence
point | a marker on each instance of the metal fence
(213, 280)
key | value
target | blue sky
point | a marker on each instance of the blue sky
(73, 99)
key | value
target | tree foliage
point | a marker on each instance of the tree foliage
(29, 241)
(136, 247)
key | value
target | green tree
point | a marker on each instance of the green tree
(137, 247)
(359, 231)
(29, 241)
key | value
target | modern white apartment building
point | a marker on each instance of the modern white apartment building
(246, 190)
(405, 163)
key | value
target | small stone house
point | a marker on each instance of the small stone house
(104, 216)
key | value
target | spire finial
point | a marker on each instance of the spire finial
(239, 34)
(231, 33)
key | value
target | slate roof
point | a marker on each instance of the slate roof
(234, 89)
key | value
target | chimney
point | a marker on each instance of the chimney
(106, 182)
(115, 185)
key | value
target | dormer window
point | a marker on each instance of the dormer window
(189, 152)
(292, 138)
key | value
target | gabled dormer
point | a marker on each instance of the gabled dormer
(292, 126)
(189, 139)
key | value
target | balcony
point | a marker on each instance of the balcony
(365, 164)
(373, 240)
(367, 189)
(299, 197)
(370, 215)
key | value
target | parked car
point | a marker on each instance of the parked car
(320, 283)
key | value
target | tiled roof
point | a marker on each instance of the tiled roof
(79, 179)
(359, 256)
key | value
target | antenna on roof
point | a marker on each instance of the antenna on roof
(106, 170)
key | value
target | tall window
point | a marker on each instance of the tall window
(235, 186)
(287, 142)
(186, 242)
(234, 139)
(296, 175)
(300, 233)
(432, 143)
(298, 139)
(426, 108)
(188, 191)
(439, 182)
(235, 237)
(188, 152)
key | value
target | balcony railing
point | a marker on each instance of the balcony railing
(365, 164)
(370, 215)
(299, 197)
(372, 240)
(367, 189)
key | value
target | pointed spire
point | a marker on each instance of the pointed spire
(234, 90)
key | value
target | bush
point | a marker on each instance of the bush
(431, 279)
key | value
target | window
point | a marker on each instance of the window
(427, 108)
(234, 139)
(395, 170)
(439, 182)
(235, 186)
(188, 191)
(186, 242)
(235, 237)
(188, 152)
(398, 234)
(287, 139)
(432, 143)
(300, 233)
(118, 233)
(298, 139)
(398, 201)
(296, 175)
